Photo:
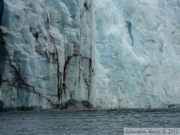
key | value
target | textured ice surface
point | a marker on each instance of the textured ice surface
(114, 53)
(138, 50)
(48, 52)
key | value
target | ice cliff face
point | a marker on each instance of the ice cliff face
(138, 46)
(112, 53)
(47, 57)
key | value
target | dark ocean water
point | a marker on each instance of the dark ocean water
(85, 122)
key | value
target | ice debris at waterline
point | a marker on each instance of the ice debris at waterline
(77, 105)
(111, 53)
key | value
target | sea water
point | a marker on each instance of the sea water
(85, 122)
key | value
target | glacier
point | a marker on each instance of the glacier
(48, 53)
(111, 53)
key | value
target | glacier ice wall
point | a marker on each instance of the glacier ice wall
(113, 53)
(138, 50)
(48, 52)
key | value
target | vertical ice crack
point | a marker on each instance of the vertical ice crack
(1, 10)
(2, 46)
(59, 76)
(129, 27)
(60, 83)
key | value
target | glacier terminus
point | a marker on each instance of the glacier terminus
(108, 53)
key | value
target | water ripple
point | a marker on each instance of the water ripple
(84, 122)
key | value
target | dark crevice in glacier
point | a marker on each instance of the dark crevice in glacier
(2, 56)
(59, 74)
(87, 6)
(36, 35)
(54, 56)
(129, 27)
(2, 45)
(64, 74)
(65, 67)
(1, 10)
(1, 105)
(88, 81)
(59, 77)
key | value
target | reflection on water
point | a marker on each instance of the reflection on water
(84, 122)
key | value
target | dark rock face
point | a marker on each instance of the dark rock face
(77, 105)
(87, 104)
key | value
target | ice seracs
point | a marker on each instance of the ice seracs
(48, 48)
